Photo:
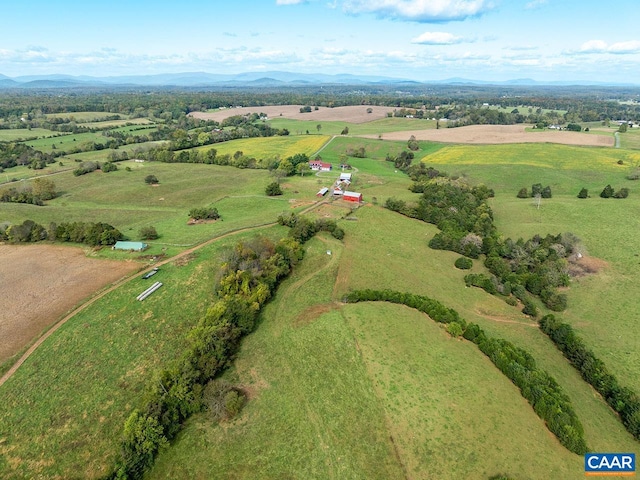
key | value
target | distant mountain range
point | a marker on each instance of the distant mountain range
(249, 79)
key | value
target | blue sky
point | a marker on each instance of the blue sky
(424, 40)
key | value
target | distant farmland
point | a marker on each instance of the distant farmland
(334, 390)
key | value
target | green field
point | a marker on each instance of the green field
(606, 227)
(391, 124)
(66, 142)
(270, 147)
(526, 109)
(238, 195)
(364, 391)
(23, 133)
(69, 426)
(335, 391)
(630, 139)
(426, 384)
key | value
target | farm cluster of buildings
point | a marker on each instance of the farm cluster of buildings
(339, 189)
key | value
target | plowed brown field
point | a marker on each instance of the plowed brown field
(39, 283)
(352, 114)
(493, 134)
(478, 134)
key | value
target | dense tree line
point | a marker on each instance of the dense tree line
(539, 388)
(88, 233)
(461, 103)
(593, 370)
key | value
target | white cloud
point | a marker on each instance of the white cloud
(535, 4)
(289, 2)
(600, 46)
(437, 38)
(632, 46)
(427, 11)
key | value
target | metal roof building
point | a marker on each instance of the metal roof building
(135, 246)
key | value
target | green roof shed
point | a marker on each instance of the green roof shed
(135, 246)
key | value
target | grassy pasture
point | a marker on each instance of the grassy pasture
(103, 155)
(25, 173)
(66, 142)
(404, 262)
(309, 415)
(630, 139)
(310, 358)
(525, 109)
(69, 425)
(11, 135)
(122, 199)
(391, 124)
(606, 319)
(271, 147)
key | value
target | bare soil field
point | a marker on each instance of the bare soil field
(39, 283)
(478, 134)
(494, 134)
(351, 114)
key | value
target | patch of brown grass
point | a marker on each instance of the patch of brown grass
(309, 314)
(580, 267)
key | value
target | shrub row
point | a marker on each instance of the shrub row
(540, 389)
(622, 399)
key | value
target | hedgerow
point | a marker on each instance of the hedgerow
(593, 370)
(540, 389)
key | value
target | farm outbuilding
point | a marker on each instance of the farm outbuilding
(317, 165)
(352, 197)
(345, 177)
(322, 192)
(135, 246)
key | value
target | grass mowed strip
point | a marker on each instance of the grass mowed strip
(63, 411)
(451, 413)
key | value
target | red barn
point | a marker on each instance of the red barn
(352, 197)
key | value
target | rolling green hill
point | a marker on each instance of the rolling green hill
(335, 391)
